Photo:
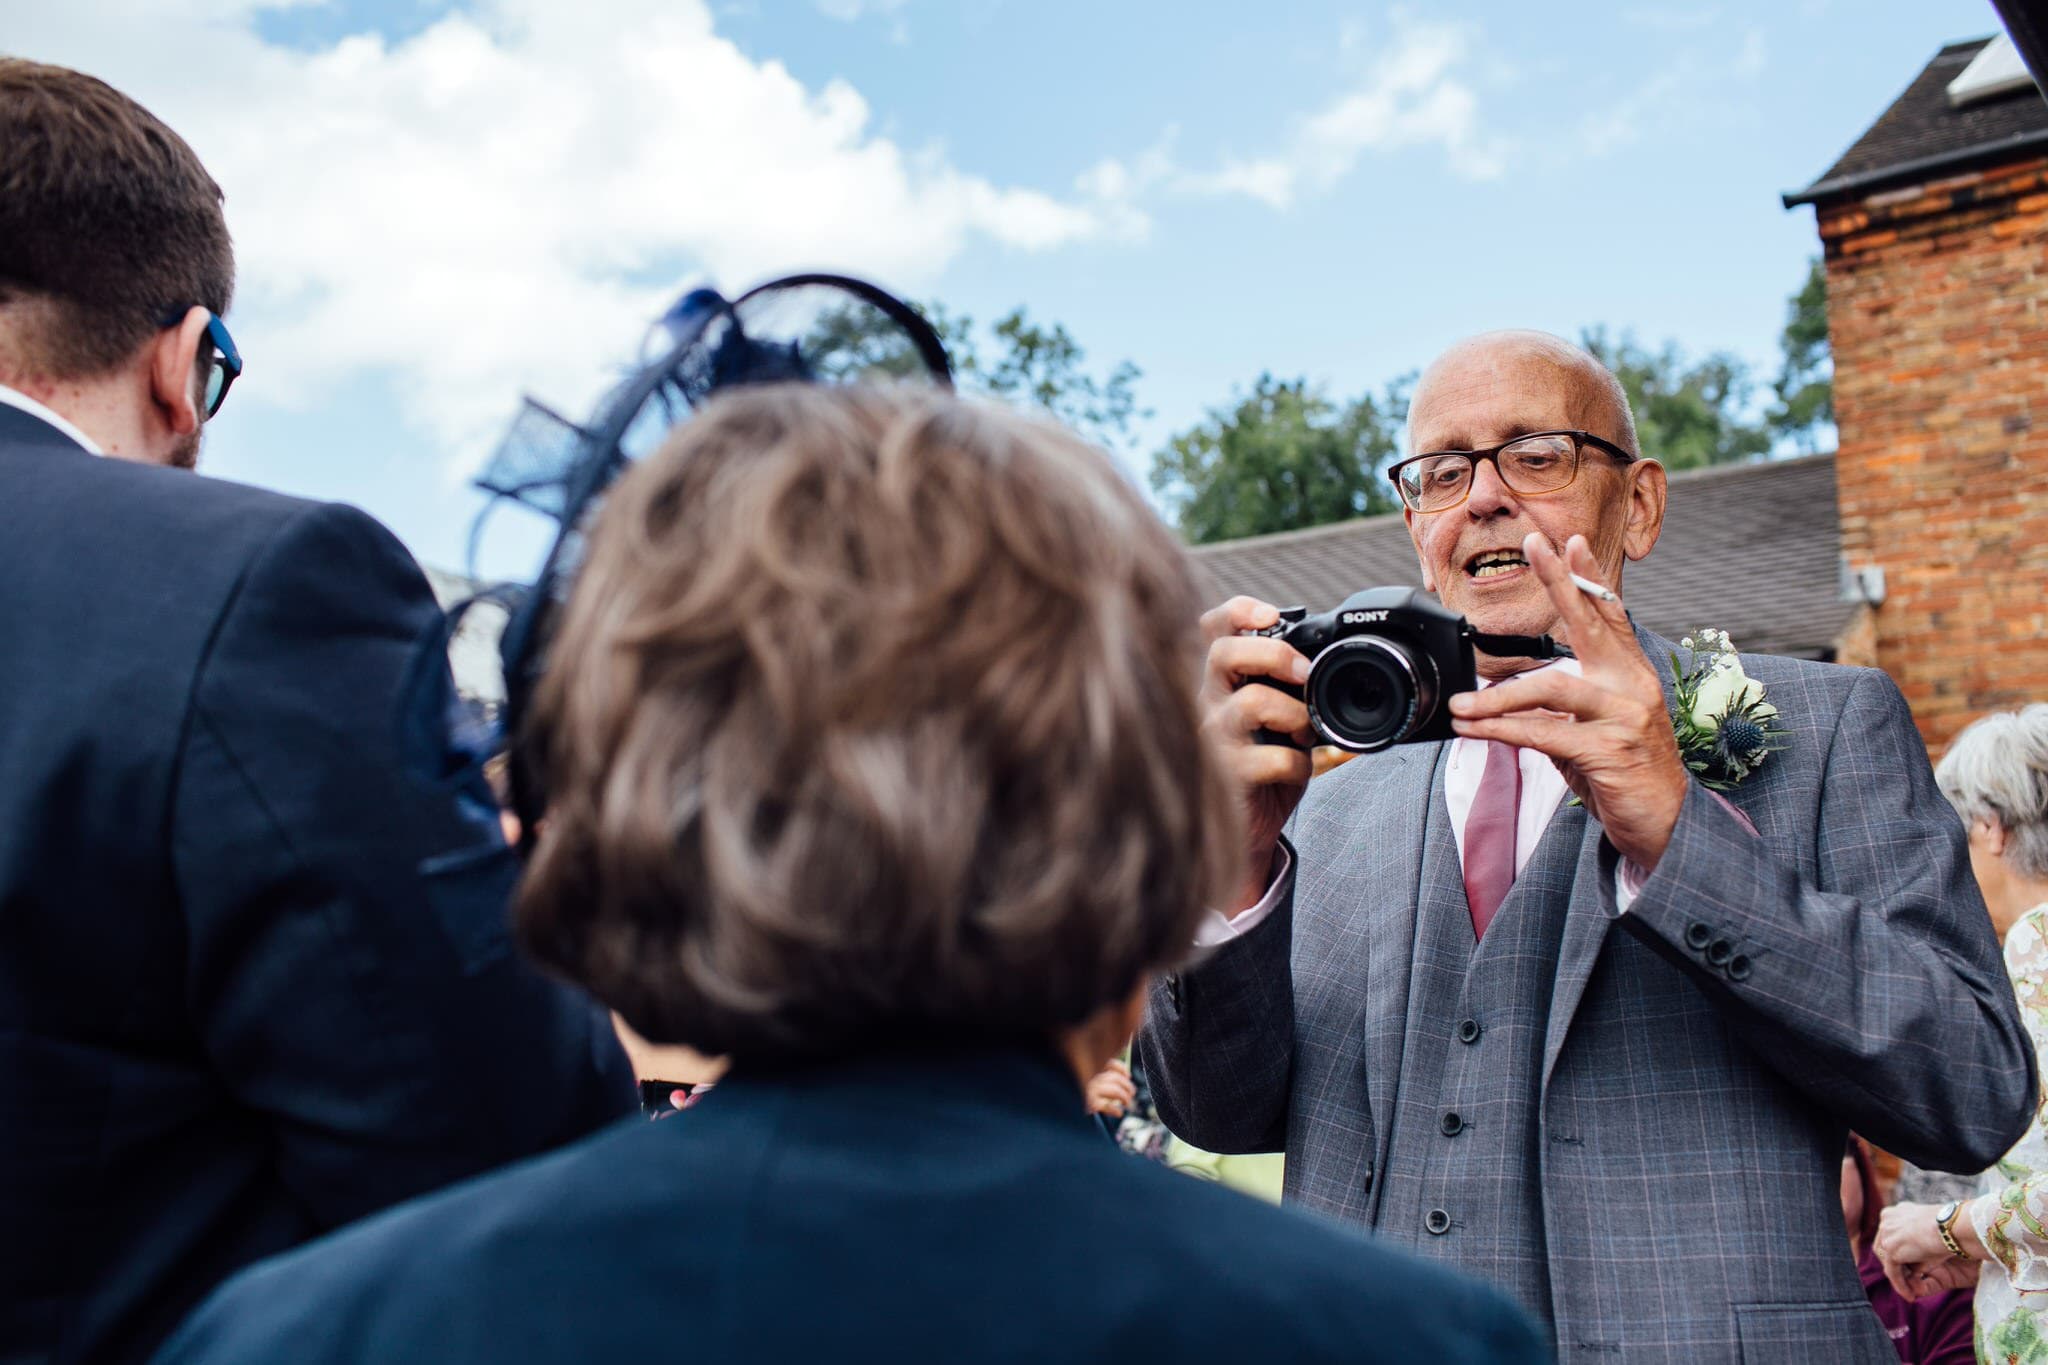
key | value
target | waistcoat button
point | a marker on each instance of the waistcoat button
(1437, 1222)
(1452, 1124)
(1468, 1031)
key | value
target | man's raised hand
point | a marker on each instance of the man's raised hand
(1237, 703)
(1607, 730)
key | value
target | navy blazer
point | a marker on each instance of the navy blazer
(953, 1206)
(233, 1014)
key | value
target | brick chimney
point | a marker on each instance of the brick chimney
(1934, 227)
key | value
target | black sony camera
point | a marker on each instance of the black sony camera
(1382, 666)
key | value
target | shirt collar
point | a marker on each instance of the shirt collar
(14, 398)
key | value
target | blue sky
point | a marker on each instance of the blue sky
(439, 205)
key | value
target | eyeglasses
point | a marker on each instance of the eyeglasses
(1541, 462)
(224, 366)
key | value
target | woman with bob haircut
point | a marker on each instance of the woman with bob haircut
(874, 763)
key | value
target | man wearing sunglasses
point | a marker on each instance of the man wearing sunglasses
(1539, 1003)
(234, 1013)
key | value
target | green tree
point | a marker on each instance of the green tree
(1043, 367)
(1805, 410)
(1688, 412)
(856, 341)
(1284, 456)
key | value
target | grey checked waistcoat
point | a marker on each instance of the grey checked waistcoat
(1462, 1167)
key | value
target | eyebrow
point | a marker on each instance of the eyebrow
(1514, 431)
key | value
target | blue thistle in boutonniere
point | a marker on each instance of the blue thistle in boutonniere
(1724, 726)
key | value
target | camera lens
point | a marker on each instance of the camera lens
(1366, 692)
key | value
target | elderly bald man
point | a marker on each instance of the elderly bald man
(1620, 1090)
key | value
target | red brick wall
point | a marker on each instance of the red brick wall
(1938, 317)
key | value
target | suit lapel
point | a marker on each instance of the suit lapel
(1588, 921)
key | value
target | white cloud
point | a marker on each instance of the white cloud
(503, 200)
(1686, 92)
(1410, 94)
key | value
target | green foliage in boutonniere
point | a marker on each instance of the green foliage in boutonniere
(1724, 726)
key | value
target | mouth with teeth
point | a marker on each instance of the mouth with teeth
(1495, 563)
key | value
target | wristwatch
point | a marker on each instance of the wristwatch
(1944, 1223)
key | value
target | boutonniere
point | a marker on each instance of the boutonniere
(1723, 724)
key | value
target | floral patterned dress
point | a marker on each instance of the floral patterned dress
(2011, 1213)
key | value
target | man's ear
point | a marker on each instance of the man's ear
(1646, 494)
(174, 372)
(1428, 578)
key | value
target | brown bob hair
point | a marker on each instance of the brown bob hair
(108, 222)
(872, 718)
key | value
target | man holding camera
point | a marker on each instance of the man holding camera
(1538, 1002)
(234, 1012)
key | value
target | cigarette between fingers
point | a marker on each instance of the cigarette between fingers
(1597, 591)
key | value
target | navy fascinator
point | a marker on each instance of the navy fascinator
(818, 329)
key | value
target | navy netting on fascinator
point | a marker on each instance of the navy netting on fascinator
(821, 329)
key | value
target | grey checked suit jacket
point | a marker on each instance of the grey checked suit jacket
(1706, 1051)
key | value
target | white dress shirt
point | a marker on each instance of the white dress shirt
(1543, 791)
(14, 398)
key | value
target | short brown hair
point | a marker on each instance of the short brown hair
(873, 716)
(107, 222)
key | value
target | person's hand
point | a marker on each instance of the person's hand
(1607, 730)
(1915, 1259)
(1236, 705)
(656, 1062)
(1111, 1091)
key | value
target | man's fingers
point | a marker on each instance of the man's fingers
(1549, 689)
(1235, 658)
(1255, 707)
(1589, 625)
(1270, 765)
(1578, 559)
(1559, 738)
(1238, 614)
(1571, 604)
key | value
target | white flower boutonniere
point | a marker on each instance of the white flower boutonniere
(1724, 726)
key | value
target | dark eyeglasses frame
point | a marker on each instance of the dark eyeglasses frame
(226, 360)
(1580, 439)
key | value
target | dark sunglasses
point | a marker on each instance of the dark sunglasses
(223, 367)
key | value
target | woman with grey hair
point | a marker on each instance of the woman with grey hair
(1996, 776)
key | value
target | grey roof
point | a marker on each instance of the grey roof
(1922, 133)
(1754, 549)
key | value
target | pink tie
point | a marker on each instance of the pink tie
(1490, 835)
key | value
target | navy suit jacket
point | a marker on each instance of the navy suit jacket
(952, 1206)
(233, 1013)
